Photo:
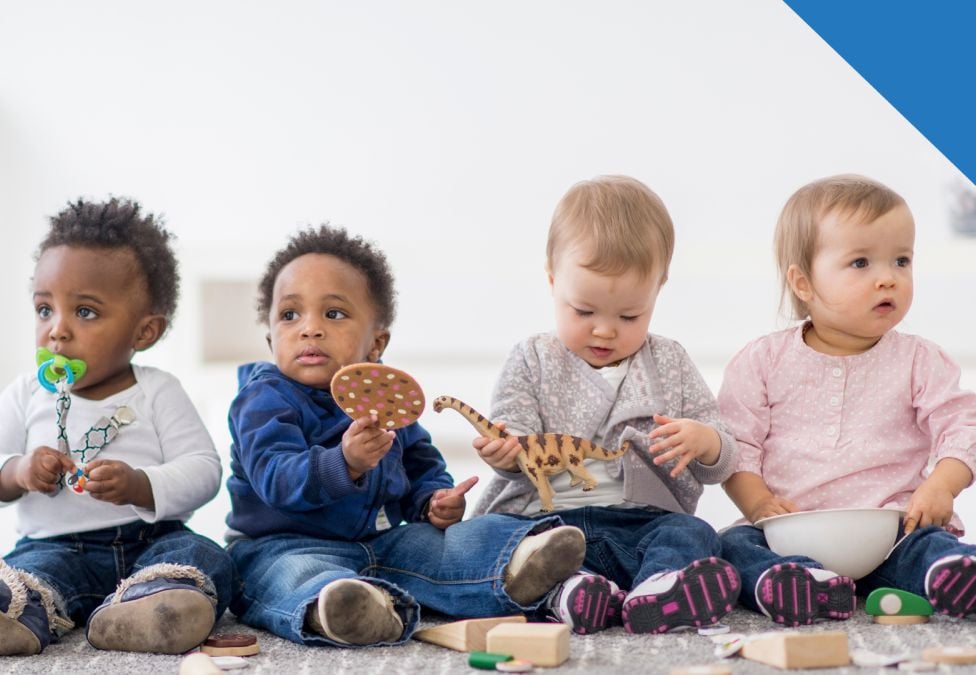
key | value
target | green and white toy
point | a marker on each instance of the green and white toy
(895, 602)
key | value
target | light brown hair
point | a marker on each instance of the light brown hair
(621, 224)
(798, 227)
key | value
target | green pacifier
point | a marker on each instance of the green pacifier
(54, 367)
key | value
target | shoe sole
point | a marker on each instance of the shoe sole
(170, 622)
(952, 589)
(704, 592)
(792, 596)
(351, 612)
(588, 605)
(557, 560)
(16, 639)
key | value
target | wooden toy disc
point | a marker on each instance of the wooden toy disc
(895, 619)
(392, 395)
(707, 669)
(231, 644)
(956, 655)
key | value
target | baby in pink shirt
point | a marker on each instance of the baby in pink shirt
(843, 411)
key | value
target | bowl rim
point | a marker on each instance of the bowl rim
(761, 523)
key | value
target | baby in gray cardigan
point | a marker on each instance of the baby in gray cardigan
(602, 377)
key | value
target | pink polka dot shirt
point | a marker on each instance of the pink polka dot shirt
(847, 431)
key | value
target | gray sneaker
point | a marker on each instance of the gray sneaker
(354, 612)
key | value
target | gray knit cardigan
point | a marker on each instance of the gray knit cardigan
(544, 387)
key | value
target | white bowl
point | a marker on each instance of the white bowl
(851, 542)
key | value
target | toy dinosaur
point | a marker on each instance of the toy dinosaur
(542, 455)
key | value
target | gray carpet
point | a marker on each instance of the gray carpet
(612, 651)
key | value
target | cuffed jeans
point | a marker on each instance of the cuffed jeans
(629, 545)
(85, 567)
(458, 571)
(746, 548)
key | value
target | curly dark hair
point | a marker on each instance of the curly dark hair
(119, 223)
(354, 251)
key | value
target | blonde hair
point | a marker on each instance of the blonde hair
(798, 227)
(622, 223)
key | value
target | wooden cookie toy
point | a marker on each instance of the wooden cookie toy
(392, 395)
(231, 644)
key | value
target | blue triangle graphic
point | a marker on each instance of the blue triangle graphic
(921, 56)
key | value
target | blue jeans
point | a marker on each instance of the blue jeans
(746, 548)
(629, 545)
(458, 571)
(85, 567)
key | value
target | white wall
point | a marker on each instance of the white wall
(447, 131)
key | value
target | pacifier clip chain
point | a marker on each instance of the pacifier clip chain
(57, 373)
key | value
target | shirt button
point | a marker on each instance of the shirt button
(831, 431)
(838, 372)
(834, 400)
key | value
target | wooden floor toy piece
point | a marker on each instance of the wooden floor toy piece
(198, 663)
(952, 655)
(895, 602)
(230, 644)
(392, 395)
(543, 644)
(897, 620)
(542, 455)
(799, 650)
(706, 669)
(465, 636)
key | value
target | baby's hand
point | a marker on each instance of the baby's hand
(364, 444)
(110, 480)
(931, 504)
(771, 506)
(498, 453)
(447, 506)
(687, 439)
(41, 470)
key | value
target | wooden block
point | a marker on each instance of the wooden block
(464, 636)
(544, 644)
(799, 650)
(953, 655)
(897, 619)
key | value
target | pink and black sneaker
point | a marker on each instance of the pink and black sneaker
(793, 595)
(699, 595)
(584, 602)
(950, 585)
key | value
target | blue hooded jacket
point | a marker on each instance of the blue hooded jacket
(288, 474)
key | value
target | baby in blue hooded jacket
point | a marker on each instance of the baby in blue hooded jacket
(342, 529)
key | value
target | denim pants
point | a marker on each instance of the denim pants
(85, 567)
(629, 545)
(746, 548)
(458, 571)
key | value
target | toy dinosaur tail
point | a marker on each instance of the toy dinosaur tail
(481, 423)
(594, 451)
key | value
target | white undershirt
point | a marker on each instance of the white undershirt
(609, 491)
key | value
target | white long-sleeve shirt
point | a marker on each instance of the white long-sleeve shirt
(167, 440)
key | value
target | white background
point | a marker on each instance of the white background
(446, 132)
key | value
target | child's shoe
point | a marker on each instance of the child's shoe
(163, 608)
(794, 595)
(354, 612)
(583, 603)
(541, 561)
(699, 595)
(28, 613)
(950, 585)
